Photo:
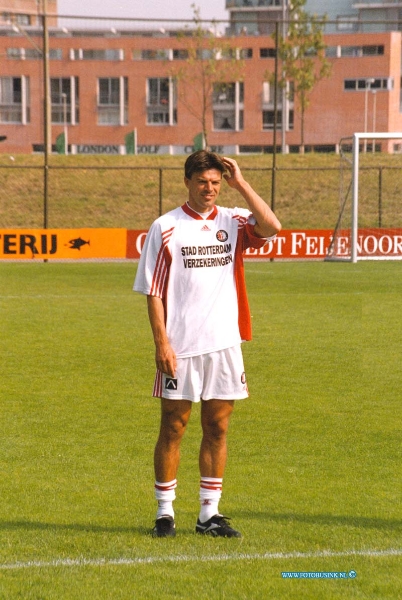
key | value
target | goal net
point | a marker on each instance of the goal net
(369, 224)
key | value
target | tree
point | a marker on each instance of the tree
(210, 66)
(302, 52)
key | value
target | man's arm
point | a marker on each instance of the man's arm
(267, 223)
(165, 356)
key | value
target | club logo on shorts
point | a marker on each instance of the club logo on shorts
(243, 378)
(222, 235)
(170, 384)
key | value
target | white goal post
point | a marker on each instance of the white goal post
(369, 241)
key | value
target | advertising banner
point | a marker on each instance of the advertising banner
(135, 242)
(127, 243)
(295, 244)
(307, 244)
(63, 243)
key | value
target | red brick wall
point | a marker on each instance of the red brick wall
(332, 114)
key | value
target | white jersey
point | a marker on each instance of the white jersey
(196, 266)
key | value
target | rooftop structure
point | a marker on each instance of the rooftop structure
(259, 16)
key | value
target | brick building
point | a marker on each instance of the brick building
(26, 12)
(106, 84)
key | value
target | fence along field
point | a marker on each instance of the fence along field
(130, 192)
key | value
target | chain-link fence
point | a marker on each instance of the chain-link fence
(132, 197)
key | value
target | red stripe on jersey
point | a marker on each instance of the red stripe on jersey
(157, 391)
(166, 235)
(242, 220)
(163, 262)
(213, 214)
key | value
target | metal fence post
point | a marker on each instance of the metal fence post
(160, 190)
(380, 169)
(273, 180)
(47, 114)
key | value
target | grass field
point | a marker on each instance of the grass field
(314, 464)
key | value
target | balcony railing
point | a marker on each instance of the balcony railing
(377, 4)
(255, 3)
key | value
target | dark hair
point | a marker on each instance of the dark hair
(202, 160)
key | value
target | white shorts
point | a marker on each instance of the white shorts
(217, 375)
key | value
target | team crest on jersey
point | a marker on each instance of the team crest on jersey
(222, 235)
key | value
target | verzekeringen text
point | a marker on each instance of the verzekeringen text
(198, 263)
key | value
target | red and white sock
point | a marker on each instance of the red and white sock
(165, 494)
(210, 494)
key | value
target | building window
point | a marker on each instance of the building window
(110, 54)
(180, 54)
(64, 95)
(229, 53)
(382, 83)
(353, 51)
(23, 19)
(267, 52)
(207, 54)
(32, 53)
(20, 19)
(268, 119)
(372, 50)
(245, 53)
(161, 101)
(347, 23)
(228, 106)
(359, 51)
(151, 54)
(14, 100)
(245, 3)
(268, 107)
(113, 101)
(349, 85)
(332, 51)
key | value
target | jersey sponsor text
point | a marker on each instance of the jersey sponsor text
(206, 250)
(198, 263)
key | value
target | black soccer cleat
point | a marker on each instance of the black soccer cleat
(164, 527)
(217, 526)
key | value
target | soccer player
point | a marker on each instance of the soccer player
(191, 270)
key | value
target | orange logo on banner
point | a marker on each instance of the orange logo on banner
(63, 243)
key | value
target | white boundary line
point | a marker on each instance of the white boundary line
(106, 562)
